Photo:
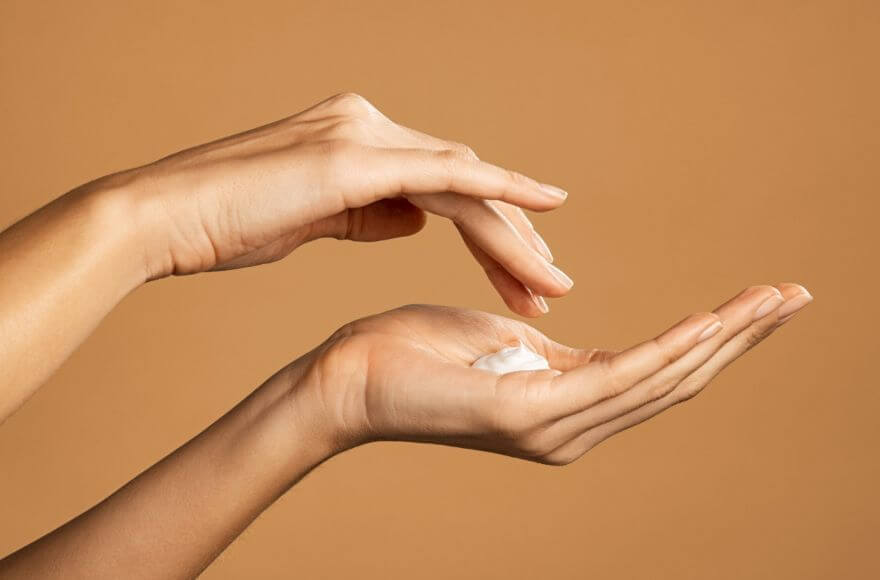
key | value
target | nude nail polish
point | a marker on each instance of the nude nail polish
(543, 249)
(540, 303)
(710, 331)
(768, 306)
(794, 304)
(554, 191)
(560, 275)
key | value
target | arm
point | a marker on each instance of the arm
(402, 375)
(172, 520)
(340, 169)
(62, 269)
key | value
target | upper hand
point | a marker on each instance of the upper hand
(405, 374)
(339, 169)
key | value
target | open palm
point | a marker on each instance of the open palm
(406, 375)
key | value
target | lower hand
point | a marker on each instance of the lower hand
(406, 375)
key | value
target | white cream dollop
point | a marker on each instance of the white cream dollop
(511, 360)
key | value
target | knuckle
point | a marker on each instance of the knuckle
(352, 103)
(687, 391)
(450, 163)
(351, 126)
(520, 181)
(660, 389)
(613, 383)
(665, 352)
(339, 337)
(516, 178)
(463, 149)
(755, 335)
(450, 157)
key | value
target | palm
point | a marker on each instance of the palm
(418, 366)
(405, 374)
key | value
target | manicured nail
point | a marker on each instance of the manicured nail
(560, 275)
(794, 304)
(543, 249)
(768, 306)
(554, 191)
(540, 303)
(710, 331)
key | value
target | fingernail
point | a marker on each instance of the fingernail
(794, 304)
(543, 249)
(710, 331)
(768, 306)
(554, 191)
(540, 303)
(560, 275)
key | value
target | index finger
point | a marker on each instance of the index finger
(424, 171)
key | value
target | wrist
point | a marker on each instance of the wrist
(107, 209)
(288, 424)
(130, 198)
(317, 409)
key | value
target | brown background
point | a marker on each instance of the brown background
(706, 145)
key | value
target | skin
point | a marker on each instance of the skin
(339, 169)
(400, 375)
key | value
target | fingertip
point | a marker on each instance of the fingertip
(796, 297)
(528, 305)
(765, 290)
(561, 282)
(516, 297)
(540, 303)
(791, 289)
(554, 192)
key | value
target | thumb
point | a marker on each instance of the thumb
(381, 220)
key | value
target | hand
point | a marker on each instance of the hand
(340, 169)
(406, 375)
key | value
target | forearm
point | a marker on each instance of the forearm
(62, 269)
(176, 517)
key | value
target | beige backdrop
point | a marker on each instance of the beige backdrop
(706, 146)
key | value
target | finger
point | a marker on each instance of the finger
(735, 316)
(514, 214)
(526, 229)
(383, 220)
(584, 386)
(796, 297)
(730, 350)
(516, 296)
(596, 382)
(415, 138)
(510, 288)
(412, 172)
(490, 229)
